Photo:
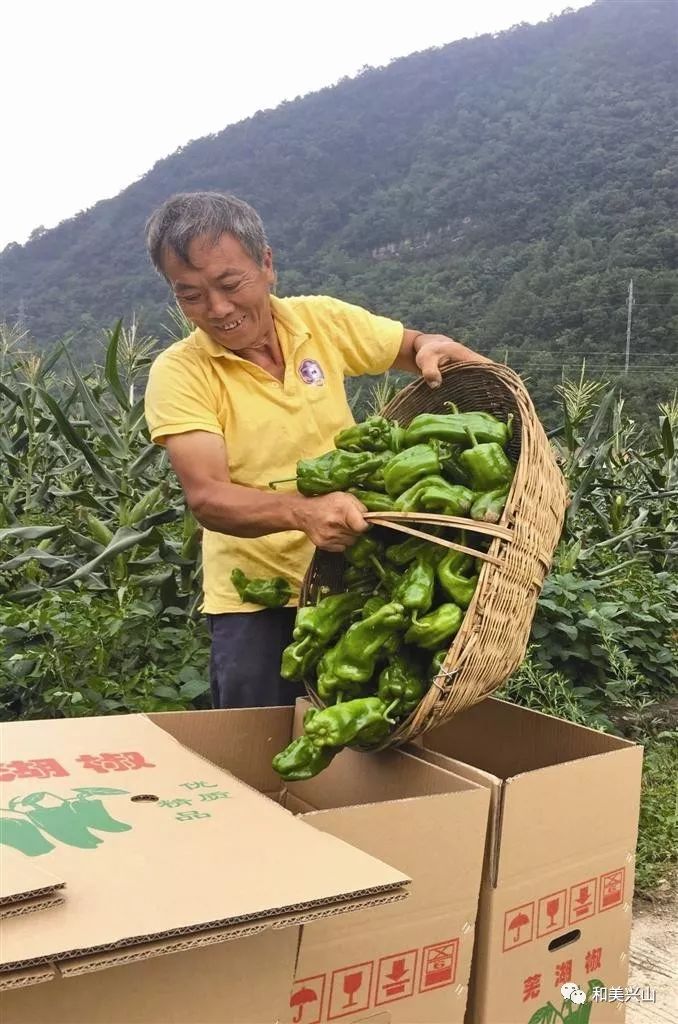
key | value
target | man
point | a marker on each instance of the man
(258, 385)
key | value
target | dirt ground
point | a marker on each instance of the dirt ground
(654, 962)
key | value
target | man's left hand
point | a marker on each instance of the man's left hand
(426, 353)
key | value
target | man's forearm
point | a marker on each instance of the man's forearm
(247, 511)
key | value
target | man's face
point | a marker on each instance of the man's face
(223, 291)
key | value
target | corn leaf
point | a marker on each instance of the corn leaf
(142, 461)
(111, 367)
(124, 539)
(66, 428)
(49, 561)
(94, 410)
(30, 532)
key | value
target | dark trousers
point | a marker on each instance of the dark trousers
(245, 659)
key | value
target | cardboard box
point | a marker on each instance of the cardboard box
(160, 853)
(555, 903)
(405, 964)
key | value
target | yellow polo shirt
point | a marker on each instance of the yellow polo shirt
(196, 384)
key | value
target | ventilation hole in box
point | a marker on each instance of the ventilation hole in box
(564, 940)
(144, 797)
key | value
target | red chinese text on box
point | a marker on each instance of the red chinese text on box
(395, 976)
(551, 913)
(563, 973)
(593, 960)
(531, 987)
(438, 965)
(110, 762)
(518, 926)
(582, 900)
(350, 990)
(34, 768)
(611, 891)
(307, 999)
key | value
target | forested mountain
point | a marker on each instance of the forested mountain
(504, 189)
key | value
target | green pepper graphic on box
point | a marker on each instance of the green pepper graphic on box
(32, 821)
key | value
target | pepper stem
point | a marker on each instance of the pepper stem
(283, 480)
(509, 425)
(378, 566)
(453, 406)
(470, 434)
(389, 709)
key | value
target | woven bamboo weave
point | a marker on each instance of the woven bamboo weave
(493, 638)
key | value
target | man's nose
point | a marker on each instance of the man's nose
(219, 305)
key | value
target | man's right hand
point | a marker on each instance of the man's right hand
(332, 522)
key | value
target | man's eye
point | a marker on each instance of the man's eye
(189, 298)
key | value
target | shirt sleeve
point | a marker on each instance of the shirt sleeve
(178, 399)
(366, 342)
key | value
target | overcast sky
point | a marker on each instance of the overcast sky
(94, 94)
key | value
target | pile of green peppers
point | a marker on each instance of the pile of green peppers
(372, 651)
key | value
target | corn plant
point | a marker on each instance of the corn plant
(92, 512)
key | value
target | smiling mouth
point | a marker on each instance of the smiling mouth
(232, 324)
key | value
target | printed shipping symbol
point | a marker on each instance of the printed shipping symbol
(350, 990)
(518, 926)
(396, 976)
(439, 965)
(307, 999)
(551, 915)
(582, 900)
(612, 889)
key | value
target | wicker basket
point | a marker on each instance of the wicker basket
(494, 634)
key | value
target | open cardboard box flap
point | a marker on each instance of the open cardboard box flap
(553, 784)
(155, 843)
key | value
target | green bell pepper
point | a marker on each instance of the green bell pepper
(415, 589)
(341, 724)
(454, 427)
(269, 593)
(407, 501)
(372, 605)
(351, 662)
(457, 588)
(373, 435)
(401, 686)
(487, 465)
(334, 471)
(488, 507)
(373, 500)
(408, 466)
(302, 759)
(407, 550)
(433, 629)
(450, 499)
(437, 662)
(374, 481)
(360, 581)
(300, 657)
(326, 618)
(366, 553)
(450, 466)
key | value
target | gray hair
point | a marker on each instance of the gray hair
(186, 216)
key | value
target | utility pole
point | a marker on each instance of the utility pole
(629, 315)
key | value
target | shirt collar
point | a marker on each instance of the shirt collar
(292, 325)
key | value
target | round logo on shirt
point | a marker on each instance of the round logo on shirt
(311, 373)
